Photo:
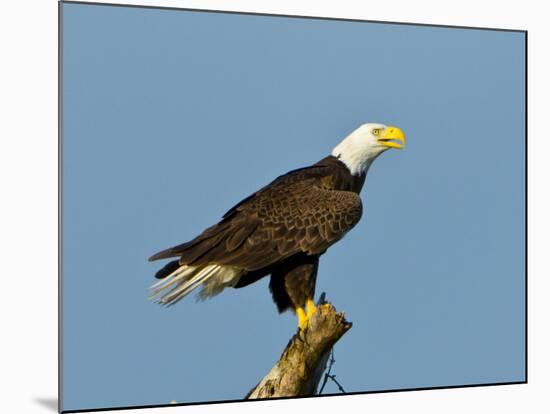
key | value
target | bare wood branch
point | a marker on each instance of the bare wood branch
(302, 363)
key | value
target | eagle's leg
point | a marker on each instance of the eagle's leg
(293, 286)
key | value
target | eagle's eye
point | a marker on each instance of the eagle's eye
(376, 131)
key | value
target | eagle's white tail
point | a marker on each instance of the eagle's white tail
(213, 278)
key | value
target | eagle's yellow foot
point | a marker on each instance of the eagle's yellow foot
(304, 314)
(302, 318)
(311, 308)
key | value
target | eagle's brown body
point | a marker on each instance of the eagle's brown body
(280, 230)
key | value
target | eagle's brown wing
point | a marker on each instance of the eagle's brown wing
(295, 213)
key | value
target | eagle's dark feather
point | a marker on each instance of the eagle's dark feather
(281, 230)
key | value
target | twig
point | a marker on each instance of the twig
(332, 377)
(327, 374)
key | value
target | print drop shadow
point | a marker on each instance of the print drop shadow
(47, 402)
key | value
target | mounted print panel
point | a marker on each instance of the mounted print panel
(233, 183)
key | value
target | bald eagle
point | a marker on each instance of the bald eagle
(281, 230)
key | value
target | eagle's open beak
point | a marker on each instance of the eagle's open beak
(393, 137)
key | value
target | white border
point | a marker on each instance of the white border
(28, 206)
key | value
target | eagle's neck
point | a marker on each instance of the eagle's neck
(356, 159)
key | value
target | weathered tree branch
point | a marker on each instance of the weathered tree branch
(302, 363)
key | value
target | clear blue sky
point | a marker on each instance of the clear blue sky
(171, 117)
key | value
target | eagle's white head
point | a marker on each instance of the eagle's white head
(367, 142)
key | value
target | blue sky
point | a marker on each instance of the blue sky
(171, 117)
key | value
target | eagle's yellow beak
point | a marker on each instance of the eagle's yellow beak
(393, 137)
